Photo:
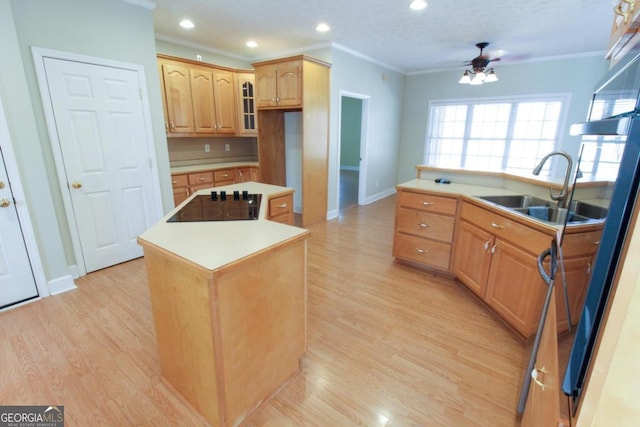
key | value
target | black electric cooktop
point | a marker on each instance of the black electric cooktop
(221, 206)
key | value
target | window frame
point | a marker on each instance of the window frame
(514, 100)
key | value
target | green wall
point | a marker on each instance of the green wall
(350, 131)
(574, 76)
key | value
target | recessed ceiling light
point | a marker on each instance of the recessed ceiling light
(418, 4)
(251, 44)
(186, 23)
(323, 27)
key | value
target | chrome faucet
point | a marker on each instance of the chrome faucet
(562, 197)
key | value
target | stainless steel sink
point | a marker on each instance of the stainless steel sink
(546, 211)
(516, 201)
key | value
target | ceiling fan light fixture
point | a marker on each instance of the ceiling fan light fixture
(323, 27)
(491, 77)
(476, 81)
(418, 4)
(465, 79)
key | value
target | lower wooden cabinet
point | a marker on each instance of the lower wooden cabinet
(281, 209)
(185, 185)
(501, 271)
(424, 229)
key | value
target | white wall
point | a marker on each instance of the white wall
(113, 30)
(576, 76)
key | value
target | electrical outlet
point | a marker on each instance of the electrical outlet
(207, 148)
(227, 147)
(198, 57)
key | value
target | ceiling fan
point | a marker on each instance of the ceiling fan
(480, 72)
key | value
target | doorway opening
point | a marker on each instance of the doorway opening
(353, 133)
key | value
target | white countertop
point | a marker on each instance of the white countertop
(214, 244)
(454, 189)
(211, 166)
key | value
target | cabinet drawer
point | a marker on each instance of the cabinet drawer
(201, 178)
(422, 251)
(504, 228)
(581, 244)
(179, 181)
(428, 202)
(280, 205)
(426, 224)
(224, 175)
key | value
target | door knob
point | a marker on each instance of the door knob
(76, 184)
(1, 185)
(4, 203)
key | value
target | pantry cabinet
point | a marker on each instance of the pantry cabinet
(295, 84)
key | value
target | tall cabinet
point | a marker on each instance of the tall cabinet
(298, 83)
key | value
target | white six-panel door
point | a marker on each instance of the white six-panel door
(16, 278)
(101, 131)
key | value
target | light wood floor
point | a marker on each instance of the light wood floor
(387, 346)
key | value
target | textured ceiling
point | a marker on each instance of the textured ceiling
(439, 37)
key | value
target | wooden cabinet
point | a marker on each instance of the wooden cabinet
(185, 185)
(424, 228)
(247, 174)
(228, 338)
(578, 251)
(281, 209)
(177, 91)
(624, 32)
(181, 191)
(199, 100)
(301, 84)
(543, 399)
(213, 97)
(279, 85)
(224, 177)
(245, 97)
(496, 258)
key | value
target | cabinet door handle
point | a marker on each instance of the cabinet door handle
(174, 182)
(423, 225)
(201, 178)
(421, 251)
(597, 242)
(486, 245)
(425, 203)
(494, 225)
(225, 175)
(281, 206)
(589, 268)
(171, 125)
(535, 376)
(493, 249)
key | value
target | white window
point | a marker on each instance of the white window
(501, 134)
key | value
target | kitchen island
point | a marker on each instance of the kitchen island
(229, 306)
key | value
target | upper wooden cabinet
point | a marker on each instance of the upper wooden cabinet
(279, 85)
(245, 96)
(199, 100)
(624, 33)
(177, 91)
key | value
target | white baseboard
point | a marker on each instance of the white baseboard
(61, 284)
(73, 271)
(379, 196)
(332, 214)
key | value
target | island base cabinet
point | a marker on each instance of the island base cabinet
(229, 339)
